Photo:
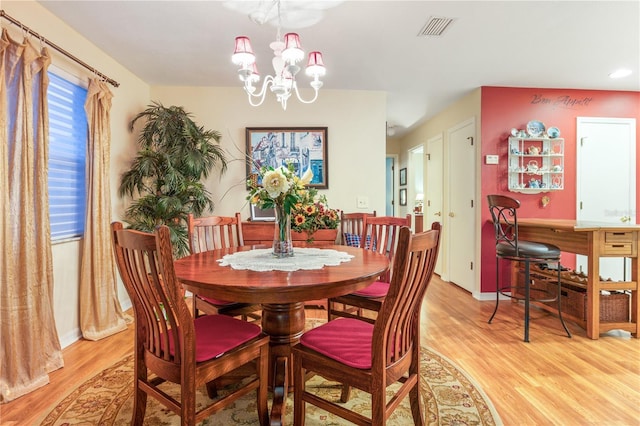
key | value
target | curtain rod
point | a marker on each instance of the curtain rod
(58, 48)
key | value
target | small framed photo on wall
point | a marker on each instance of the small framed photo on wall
(403, 176)
(403, 197)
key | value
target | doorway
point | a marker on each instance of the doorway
(433, 202)
(390, 179)
(460, 222)
(416, 181)
(606, 181)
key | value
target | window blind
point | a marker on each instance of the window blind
(67, 157)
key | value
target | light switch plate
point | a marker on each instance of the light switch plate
(491, 159)
(362, 202)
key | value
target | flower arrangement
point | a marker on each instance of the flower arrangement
(281, 188)
(297, 207)
(312, 212)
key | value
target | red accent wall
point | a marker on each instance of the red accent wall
(503, 108)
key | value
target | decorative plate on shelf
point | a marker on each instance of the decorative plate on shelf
(535, 128)
(553, 132)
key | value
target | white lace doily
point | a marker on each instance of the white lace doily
(262, 260)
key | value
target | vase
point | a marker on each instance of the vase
(282, 244)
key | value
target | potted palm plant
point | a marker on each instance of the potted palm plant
(165, 176)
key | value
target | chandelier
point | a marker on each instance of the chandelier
(287, 54)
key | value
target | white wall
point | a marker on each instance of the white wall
(356, 140)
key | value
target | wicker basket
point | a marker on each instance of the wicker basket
(614, 306)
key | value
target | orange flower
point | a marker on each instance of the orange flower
(299, 219)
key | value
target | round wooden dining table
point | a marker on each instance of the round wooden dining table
(282, 295)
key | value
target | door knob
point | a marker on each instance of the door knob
(451, 214)
(437, 214)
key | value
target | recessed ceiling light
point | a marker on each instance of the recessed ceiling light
(620, 73)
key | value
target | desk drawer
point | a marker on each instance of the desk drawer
(617, 249)
(618, 237)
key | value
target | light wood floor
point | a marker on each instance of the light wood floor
(551, 380)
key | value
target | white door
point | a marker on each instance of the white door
(433, 207)
(391, 161)
(460, 220)
(606, 180)
(415, 178)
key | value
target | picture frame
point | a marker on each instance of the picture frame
(403, 176)
(262, 215)
(304, 147)
(403, 197)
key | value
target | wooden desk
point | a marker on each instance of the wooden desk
(282, 295)
(594, 240)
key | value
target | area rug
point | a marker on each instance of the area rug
(450, 398)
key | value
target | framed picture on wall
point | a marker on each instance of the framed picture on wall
(262, 215)
(403, 176)
(304, 147)
(403, 197)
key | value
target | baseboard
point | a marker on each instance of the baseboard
(488, 296)
(75, 335)
(71, 337)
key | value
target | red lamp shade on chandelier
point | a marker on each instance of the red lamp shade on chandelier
(283, 83)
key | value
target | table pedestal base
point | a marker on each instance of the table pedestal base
(284, 323)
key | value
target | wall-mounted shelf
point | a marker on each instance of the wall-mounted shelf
(536, 165)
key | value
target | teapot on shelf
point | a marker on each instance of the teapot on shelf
(532, 166)
(535, 183)
(533, 150)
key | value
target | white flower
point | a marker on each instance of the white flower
(275, 182)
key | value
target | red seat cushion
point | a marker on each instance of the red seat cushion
(375, 290)
(217, 334)
(216, 301)
(346, 340)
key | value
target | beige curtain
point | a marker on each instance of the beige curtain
(29, 342)
(100, 311)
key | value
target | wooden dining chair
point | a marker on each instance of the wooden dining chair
(351, 227)
(215, 232)
(380, 234)
(174, 346)
(372, 357)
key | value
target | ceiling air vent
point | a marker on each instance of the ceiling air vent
(435, 26)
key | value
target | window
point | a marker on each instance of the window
(67, 158)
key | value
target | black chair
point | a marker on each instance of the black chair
(510, 247)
